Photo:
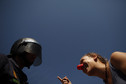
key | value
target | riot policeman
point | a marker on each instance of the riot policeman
(24, 52)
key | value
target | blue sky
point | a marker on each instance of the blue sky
(66, 29)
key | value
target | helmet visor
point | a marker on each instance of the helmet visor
(35, 49)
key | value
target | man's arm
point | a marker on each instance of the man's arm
(118, 60)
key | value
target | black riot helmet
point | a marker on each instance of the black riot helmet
(28, 45)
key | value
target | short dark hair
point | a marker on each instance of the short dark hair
(92, 54)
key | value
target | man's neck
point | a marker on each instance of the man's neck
(19, 62)
(100, 71)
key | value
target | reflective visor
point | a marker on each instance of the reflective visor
(35, 49)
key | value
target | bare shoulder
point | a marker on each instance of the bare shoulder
(118, 57)
(118, 60)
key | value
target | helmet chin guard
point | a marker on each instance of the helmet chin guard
(28, 45)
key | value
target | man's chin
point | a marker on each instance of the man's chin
(28, 64)
(89, 73)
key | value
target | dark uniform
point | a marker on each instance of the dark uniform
(10, 73)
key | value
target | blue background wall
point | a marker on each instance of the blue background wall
(66, 29)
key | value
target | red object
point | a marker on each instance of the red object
(79, 67)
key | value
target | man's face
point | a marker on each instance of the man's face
(30, 58)
(88, 63)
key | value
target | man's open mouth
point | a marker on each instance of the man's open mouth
(85, 65)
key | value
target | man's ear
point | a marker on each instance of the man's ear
(95, 58)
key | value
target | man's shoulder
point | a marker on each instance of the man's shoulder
(3, 59)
